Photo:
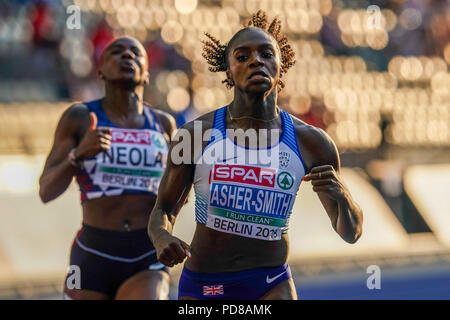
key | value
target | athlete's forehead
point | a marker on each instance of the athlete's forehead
(253, 37)
(125, 42)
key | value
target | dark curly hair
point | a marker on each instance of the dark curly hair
(216, 54)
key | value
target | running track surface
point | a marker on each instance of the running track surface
(406, 283)
(411, 283)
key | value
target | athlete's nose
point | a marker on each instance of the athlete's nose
(256, 60)
(127, 54)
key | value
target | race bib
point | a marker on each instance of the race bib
(253, 202)
(136, 160)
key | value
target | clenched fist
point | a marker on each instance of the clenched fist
(94, 141)
(170, 250)
(326, 180)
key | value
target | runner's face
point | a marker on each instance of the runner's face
(254, 61)
(125, 59)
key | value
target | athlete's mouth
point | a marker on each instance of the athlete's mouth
(259, 74)
(127, 66)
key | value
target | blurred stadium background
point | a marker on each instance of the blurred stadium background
(381, 91)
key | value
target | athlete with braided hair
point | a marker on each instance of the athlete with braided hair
(216, 54)
(242, 208)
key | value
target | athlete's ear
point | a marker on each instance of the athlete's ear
(100, 74)
(230, 77)
(146, 78)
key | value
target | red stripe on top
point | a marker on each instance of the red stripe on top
(76, 238)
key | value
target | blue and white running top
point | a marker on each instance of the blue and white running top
(247, 191)
(134, 164)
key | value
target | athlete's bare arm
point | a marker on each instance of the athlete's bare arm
(322, 159)
(173, 191)
(58, 172)
(76, 128)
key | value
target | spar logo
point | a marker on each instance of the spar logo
(131, 136)
(245, 175)
(157, 140)
(285, 180)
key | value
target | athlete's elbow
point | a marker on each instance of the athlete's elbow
(44, 195)
(44, 191)
(351, 240)
(352, 237)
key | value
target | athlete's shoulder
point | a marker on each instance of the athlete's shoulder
(204, 121)
(317, 143)
(305, 129)
(77, 109)
(166, 119)
(76, 115)
(311, 133)
(74, 120)
(166, 116)
(196, 133)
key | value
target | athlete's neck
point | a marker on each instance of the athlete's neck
(254, 106)
(123, 102)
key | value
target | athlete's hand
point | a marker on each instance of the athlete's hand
(94, 141)
(170, 250)
(325, 180)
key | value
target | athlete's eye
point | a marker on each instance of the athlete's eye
(241, 58)
(137, 52)
(267, 54)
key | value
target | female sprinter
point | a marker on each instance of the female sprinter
(242, 208)
(116, 147)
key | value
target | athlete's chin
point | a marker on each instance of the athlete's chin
(260, 88)
(127, 81)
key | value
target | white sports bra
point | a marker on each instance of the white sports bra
(246, 191)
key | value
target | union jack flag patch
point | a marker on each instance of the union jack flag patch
(213, 290)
